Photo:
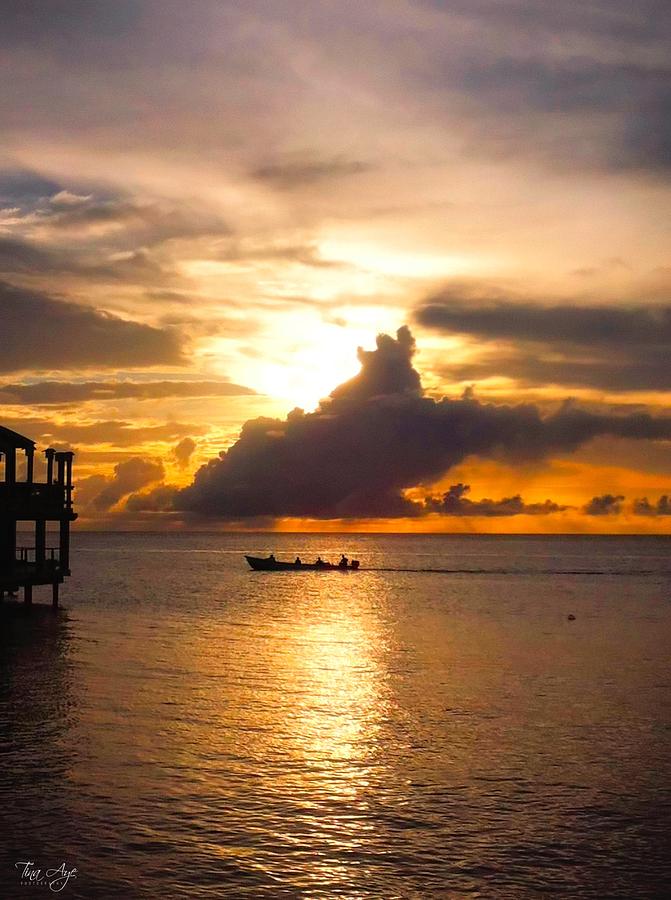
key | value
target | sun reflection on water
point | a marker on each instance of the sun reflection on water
(333, 682)
(287, 695)
(341, 713)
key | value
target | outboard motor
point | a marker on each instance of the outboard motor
(354, 564)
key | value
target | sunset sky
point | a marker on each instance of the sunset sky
(207, 207)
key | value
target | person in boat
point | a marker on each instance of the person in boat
(297, 562)
(320, 562)
(271, 558)
(343, 562)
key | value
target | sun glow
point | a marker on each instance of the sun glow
(308, 377)
(316, 357)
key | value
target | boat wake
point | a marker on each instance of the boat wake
(475, 571)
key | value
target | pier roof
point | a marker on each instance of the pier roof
(12, 439)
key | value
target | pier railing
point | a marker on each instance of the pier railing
(28, 554)
(28, 571)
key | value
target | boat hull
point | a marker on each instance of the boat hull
(263, 564)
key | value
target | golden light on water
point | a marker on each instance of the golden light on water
(299, 682)
(339, 719)
(323, 662)
(340, 701)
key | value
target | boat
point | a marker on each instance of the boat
(270, 564)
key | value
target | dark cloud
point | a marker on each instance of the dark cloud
(570, 109)
(60, 22)
(455, 503)
(384, 371)
(377, 435)
(613, 19)
(129, 476)
(183, 451)
(129, 219)
(61, 393)
(22, 187)
(160, 499)
(584, 85)
(637, 97)
(300, 172)
(108, 240)
(19, 257)
(612, 347)
(605, 505)
(608, 374)
(42, 333)
(87, 489)
(644, 507)
(615, 326)
(577, 85)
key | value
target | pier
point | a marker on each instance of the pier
(25, 558)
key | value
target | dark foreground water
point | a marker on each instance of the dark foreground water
(188, 728)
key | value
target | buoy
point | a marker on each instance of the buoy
(571, 617)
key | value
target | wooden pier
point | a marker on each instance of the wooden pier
(25, 558)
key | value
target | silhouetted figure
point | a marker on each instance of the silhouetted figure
(320, 562)
(297, 562)
(343, 562)
(355, 564)
(271, 558)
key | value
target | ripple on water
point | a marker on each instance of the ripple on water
(215, 732)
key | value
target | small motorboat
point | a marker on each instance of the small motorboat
(270, 564)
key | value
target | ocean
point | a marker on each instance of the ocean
(466, 716)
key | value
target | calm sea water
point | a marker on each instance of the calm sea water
(185, 727)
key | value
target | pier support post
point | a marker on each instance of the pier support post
(28, 594)
(54, 595)
(64, 545)
(30, 465)
(40, 541)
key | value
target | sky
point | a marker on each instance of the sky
(329, 265)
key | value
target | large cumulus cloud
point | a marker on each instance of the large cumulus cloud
(377, 435)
